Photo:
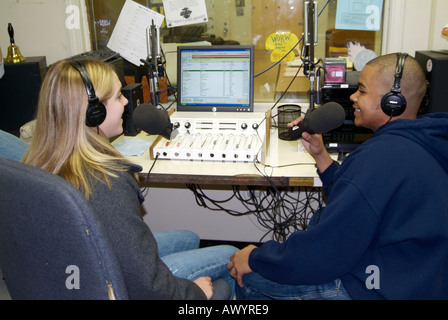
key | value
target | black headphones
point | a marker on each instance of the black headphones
(394, 103)
(96, 111)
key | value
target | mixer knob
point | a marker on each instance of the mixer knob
(244, 126)
(187, 125)
(255, 126)
(176, 125)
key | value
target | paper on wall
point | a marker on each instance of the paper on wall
(129, 35)
(184, 12)
(359, 15)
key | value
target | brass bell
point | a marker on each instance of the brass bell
(14, 55)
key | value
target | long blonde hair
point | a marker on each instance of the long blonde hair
(62, 143)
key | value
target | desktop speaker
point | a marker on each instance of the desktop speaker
(435, 66)
(19, 92)
(134, 94)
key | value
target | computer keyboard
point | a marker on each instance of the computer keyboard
(100, 55)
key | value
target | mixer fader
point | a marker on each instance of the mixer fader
(204, 136)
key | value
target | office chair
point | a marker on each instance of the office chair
(52, 244)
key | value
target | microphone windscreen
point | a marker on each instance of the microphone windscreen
(327, 117)
(151, 119)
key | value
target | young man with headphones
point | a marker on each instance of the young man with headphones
(383, 233)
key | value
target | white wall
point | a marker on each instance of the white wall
(414, 25)
(40, 28)
(439, 20)
(176, 209)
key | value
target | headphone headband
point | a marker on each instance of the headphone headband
(81, 67)
(96, 111)
(401, 60)
(394, 103)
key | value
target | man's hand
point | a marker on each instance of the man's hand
(239, 264)
(314, 144)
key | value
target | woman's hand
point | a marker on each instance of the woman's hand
(206, 285)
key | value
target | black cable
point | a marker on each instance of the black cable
(146, 189)
(276, 210)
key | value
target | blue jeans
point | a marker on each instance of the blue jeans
(255, 287)
(11, 147)
(179, 250)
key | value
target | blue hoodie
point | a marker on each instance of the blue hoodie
(384, 230)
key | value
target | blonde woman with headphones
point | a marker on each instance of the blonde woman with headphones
(80, 108)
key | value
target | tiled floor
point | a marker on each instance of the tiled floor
(4, 294)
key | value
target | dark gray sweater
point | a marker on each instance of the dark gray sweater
(145, 274)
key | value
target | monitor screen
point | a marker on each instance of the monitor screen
(215, 78)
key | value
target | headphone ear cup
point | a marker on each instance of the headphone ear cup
(393, 104)
(96, 113)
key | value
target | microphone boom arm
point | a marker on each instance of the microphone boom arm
(154, 62)
(310, 41)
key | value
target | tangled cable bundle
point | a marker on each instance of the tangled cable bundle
(281, 211)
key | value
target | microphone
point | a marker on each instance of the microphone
(154, 121)
(323, 119)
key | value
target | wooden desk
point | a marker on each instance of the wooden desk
(288, 165)
(173, 206)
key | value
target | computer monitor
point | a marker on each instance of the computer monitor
(215, 78)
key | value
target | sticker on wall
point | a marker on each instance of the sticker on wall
(281, 43)
(103, 25)
(429, 66)
(445, 30)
